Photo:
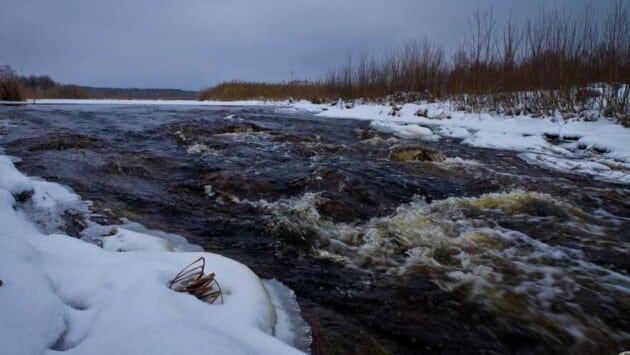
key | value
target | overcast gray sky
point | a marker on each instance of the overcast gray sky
(191, 44)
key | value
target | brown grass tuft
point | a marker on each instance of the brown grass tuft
(193, 279)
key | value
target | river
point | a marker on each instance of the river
(391, 245)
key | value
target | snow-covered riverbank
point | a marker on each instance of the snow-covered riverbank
(599, 148)
(59, 293)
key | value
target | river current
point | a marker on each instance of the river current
(391, 245)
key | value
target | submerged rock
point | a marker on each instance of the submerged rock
(292, 138)
(246, 128)
(225, 182)
(24, 196)
(335, 210)
(73, 223)
(542, 208)
(416, 154)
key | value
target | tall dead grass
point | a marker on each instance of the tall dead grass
(10, 86)
(237, 90)
(555, 61)
(11, 90)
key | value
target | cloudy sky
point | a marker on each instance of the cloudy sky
(191, 44)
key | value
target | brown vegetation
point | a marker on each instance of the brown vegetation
(10, 90)
(44, 87)
(193, 280)
(556, 61)
(10, 87)
(237, 90)
(57, 92)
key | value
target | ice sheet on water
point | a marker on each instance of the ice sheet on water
(290, 327)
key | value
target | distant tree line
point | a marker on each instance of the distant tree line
(14, 87)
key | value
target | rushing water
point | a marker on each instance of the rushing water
(390, 245)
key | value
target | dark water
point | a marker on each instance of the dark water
(479, 254)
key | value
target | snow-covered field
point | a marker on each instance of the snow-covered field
(59, 293)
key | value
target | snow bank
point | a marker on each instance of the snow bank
(62, 294)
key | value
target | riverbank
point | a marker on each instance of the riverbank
(59, 293)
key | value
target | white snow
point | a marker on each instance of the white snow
(62, 294)
(127, 240)
(404, 131)
(11, 179)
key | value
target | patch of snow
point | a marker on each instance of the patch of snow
(11, 179)
(127, 240)
(286, 110)
(404, 131)
(178, 242)
(505, 140)
(48, 195)
(453, 131)
(605, 170)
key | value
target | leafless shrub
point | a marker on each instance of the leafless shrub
(10, 87)
(543, 64)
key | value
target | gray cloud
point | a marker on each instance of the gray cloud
(195, 43)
